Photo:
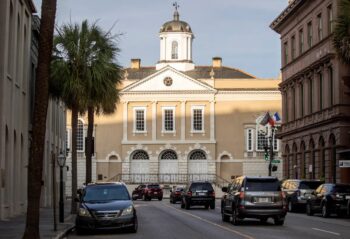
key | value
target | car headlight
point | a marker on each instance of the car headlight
(84, 212)
(128, 211)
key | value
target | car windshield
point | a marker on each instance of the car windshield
(265, 185)
(179, 189)
(105, 193)
(309, 185)
(201, 187)
(153, 186)
(341, 189)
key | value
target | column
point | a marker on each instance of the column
(212, 120)
(183, 120)
(125, 121)
(154, 120)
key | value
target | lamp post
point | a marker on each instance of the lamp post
(61, 160)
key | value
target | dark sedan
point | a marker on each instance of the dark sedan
(175, 194)
(329, 198)
(105, 206)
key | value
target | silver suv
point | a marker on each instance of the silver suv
(254, 197)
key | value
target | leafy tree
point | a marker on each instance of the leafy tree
(341, 35)
(41, 99)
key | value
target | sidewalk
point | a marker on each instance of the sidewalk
(14, 227)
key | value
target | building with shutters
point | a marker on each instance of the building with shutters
(177, 121)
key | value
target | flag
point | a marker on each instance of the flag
(265, 119)
(276, 117)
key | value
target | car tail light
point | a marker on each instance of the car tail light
(189, 193)
(177, 193)
(283, 195)
(212, 194)
(241, 195)
(298, 193)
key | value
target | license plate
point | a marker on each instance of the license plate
(263, 200)
(201, 194)
(347, 197)
(155, 193)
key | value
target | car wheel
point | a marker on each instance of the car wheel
(224, 217)
(187, 205)
(212, 205)
(309, 210)
(263, 220)
(160, 198)
(206, 206)
(133, 228)
(279, 221)
(325, 211)
(182, 204)
(291, 207)
(235, 220)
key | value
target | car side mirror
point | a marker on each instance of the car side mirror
(224, 189)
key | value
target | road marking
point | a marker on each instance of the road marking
(212, 223)
(334, 233)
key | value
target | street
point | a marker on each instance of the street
(167, 221)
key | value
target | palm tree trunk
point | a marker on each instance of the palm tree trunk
(89, 144)
(35, 165)
(74, 123)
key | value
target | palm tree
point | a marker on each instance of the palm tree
(35, 165)
(104, 77)
(341, 35)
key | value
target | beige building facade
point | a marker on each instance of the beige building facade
(19, 33)
(178, 122)
(315, 128)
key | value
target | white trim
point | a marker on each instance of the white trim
(154, 120)
(144, 109)
(173, 108)
(212, 120)
(197, 107)
(224, 153)
(113, 153)
(125, 121)
(84, 135)
(183, 120)
(168, 142)
(247, 139)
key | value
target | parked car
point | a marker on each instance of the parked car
(175, 194)
(298, 191)
(147, 192)
(329, 198)
(105, 206)
(254, 197)
(198, 194)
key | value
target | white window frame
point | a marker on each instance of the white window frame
(68, 139)
(197, 107)
(144, 109)
(251, 130)
(173, 108)
(84, 135)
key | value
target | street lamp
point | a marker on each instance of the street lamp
(61, 160)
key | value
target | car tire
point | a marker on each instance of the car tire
(263, 219)
(325, 210)
(224, 217)
(187, 206)
(212, 205)
(291, 206)
(206, 206)
(133, 228)
(235, 220)
(182, 204)
(160, 198)
(309, 210)
(279, 221)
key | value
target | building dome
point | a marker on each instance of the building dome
(176, 25)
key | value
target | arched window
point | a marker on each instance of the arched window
(303, 164)
(168, 155)
(140, 155)
(322, 159)
(174, 50)
(198, 155)
(333, 159)
(313, 158)
(80, 135)
(113, 157)
(286, 162)
(225, 157)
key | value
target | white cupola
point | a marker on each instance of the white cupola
(176, 44)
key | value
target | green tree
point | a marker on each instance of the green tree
(341, 35)
(41, 99)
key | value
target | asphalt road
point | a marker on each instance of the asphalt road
(162, 220)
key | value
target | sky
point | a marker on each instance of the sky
(236, 30)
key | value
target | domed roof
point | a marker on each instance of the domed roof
(176, 25)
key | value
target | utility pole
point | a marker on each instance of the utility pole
(271, 149)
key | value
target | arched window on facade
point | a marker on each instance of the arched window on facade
(174, 50)
(198, 155)
(168, 155)
(321, 160)
(303, 164)
(333, 159)
(286, 161)
(295, 163)
(80, 135)
(225, 157)
(312, 159)
(140, 155)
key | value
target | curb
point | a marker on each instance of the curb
(64, 232)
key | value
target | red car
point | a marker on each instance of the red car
(147, 192)
(175, 194)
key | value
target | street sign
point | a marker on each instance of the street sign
(276, 161)
(344, 163)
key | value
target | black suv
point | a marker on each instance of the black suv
(254, 197)
(198, 193)
(298, 191)
(329, 198)
(105, 206)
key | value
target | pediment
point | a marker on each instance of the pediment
(168, 79)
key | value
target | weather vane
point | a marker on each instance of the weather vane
(176, 5)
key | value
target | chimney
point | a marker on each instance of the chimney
(217, 62)
(135, 63)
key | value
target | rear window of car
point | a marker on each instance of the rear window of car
(201, 187)
(341, 189)
(264, 185)
(153, 186)
(309, 185)
(105, 193)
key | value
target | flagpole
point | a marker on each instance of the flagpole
(271, 150)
